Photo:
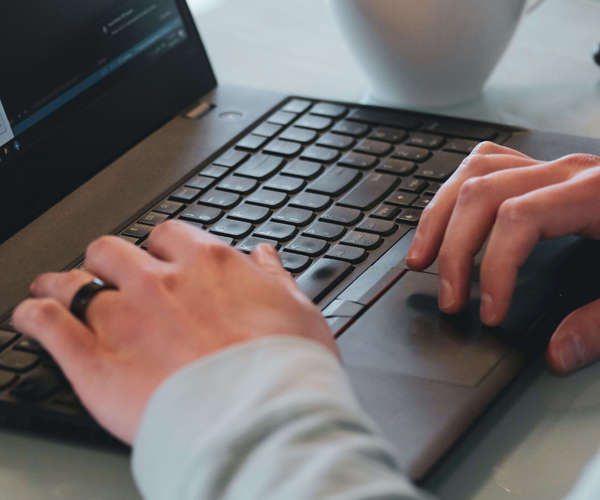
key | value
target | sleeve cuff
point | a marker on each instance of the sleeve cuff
(202, 404)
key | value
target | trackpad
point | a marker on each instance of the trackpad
(404, 333)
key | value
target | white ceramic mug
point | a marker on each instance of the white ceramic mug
(427, 53)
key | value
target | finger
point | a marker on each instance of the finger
(473, 217)
(68, 340)
(570, 207)
(492, 148)
(115, 261)
(576, 341)
(63, 287)
(434, 220)
(175, 240)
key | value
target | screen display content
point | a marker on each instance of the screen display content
(66, 48)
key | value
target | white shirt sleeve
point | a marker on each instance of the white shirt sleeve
(270, 419)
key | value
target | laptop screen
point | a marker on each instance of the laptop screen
(58, 58)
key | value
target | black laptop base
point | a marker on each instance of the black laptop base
(338, 189)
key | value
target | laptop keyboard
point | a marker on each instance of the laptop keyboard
(332, 187)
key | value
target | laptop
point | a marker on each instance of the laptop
(111, 121)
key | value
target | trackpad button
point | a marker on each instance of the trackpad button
(405, 333)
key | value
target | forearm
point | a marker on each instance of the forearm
(274, 418)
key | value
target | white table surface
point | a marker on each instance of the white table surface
(540, 433)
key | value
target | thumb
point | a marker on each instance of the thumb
(576, 341)
(268, 258)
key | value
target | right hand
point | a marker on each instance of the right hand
(515, 201)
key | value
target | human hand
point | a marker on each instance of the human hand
(516, 201)
(188, 297)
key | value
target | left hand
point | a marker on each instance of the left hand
(514, 200)
(188, 297)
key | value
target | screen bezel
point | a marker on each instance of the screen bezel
(74, 148)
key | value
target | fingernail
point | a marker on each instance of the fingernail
(572, 352)
(487, 312)
(414, 250)
(446, 295)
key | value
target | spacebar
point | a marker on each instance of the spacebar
(320, 278)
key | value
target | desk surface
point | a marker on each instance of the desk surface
(539, 434)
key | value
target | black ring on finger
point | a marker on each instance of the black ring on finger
(83, 297)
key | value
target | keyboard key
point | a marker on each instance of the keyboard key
(363, 240)
(294, 263)
(231, 159)
(433, 188)
(268, 130)
(410, 153)
(347, 253)
(410, 216)
(225, 239)
(282, 118)
(168, 207)
(29, 345)
(307, 246)
(6, 337)
(18, 361)
(377, 226)
(295, 216)
(401, 199)
(460, 146)
(335, 181)
(372, 147)
(260, 166)
(297, 106)
(325, 231)
(38, 385)
(387, 118)
(413, 185)
(428, 141)
(276, 231)
(200, 182)
(250, 213)
(7, 379)
(235, 184)
(251, 242)
(461, 129)
(320, 154)
(388, 134)
(336, 141)
(311, 201)
(267, 198)
(423, 201)
(387, 212)
(201, 214)
(313, 122)
(342, 215)
(320, 278)
(215, 171)
(371, 191)
(301, 135)
(252, 142)
(351, 128)
(129, 239)
(153, 218)
(330, 110)
(219, 199)
(232, 228)
(396, 167)
(440, 166)
(359, 160)
(283, 148)
(185, 194)
(302, 168)
(285, 184)
(137, 231)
